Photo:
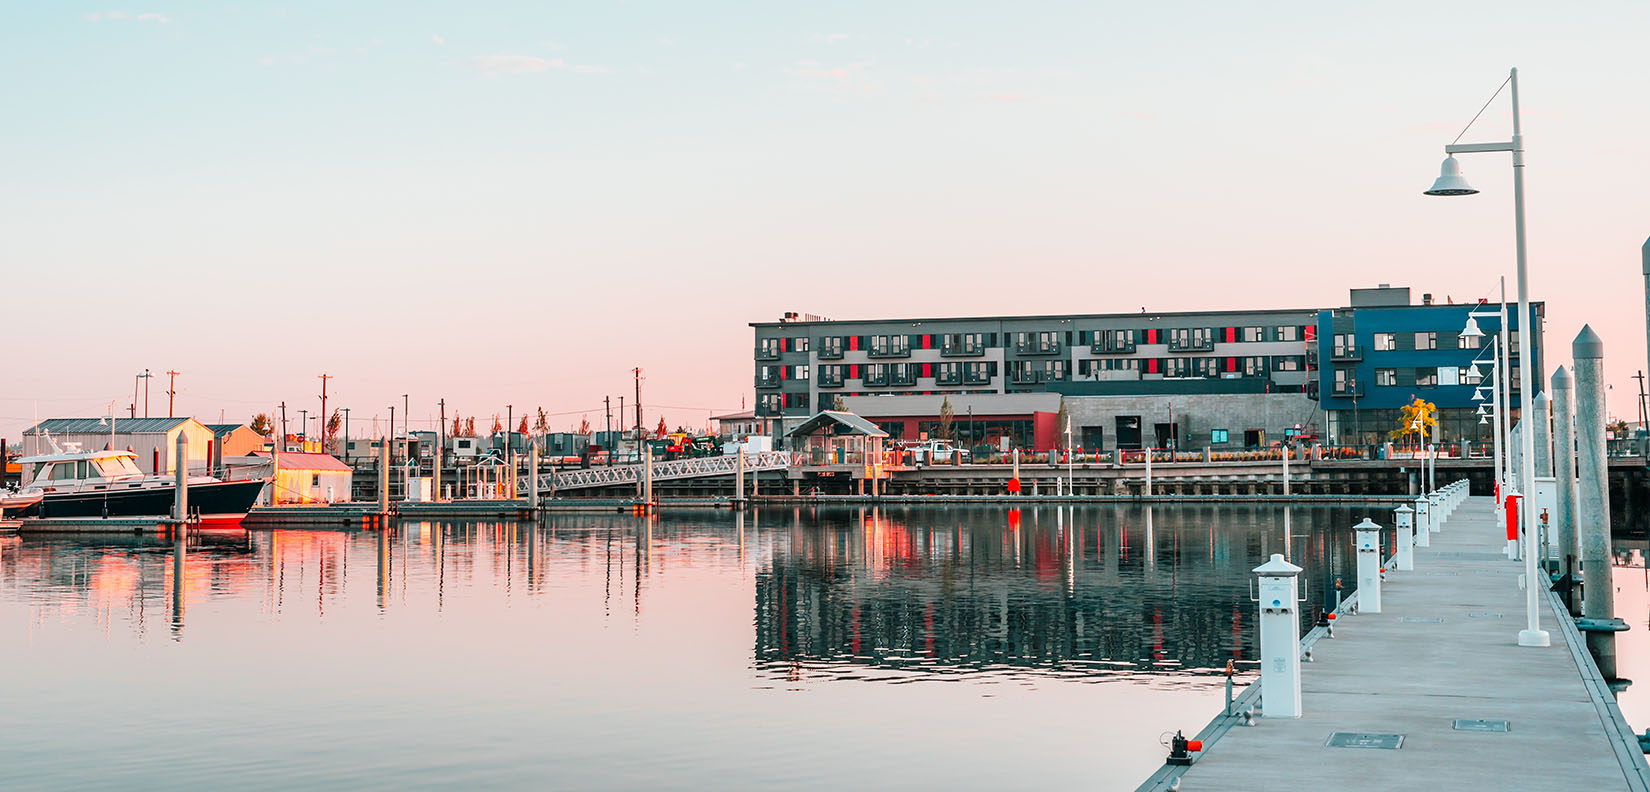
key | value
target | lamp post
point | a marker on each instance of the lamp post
(1451, 183)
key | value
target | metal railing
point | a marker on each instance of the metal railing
(621, 475)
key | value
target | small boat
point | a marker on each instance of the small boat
(16, 504)
(78, 483)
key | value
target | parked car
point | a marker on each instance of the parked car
(935, 452)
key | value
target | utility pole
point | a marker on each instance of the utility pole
(391, 439)
(282, 445)
(621, 426)
(146, 377)
(607, 406)
(303, 425)
(346, 435)
(324, 416)
(1642, 410)
(441, 436)
(406, 415)
(638, 372)
(171, 391)
(133, 409)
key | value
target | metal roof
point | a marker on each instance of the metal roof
(839, 423)
(223, 429)
(927, 406)
(63, 426)
(292, 460)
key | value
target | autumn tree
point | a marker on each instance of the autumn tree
(1414, 417)
(948, 417)
(262, 424)
(662, 430)
(584, 425)
(522, 427)
(541, 425)
(458, 426)
(335, 422)
(837, 403)
(1061, 420)
(498, 425)
(469, 427)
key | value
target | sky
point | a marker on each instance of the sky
(515, 203)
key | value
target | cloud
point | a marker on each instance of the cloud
(522, 64)
(161, 18)
(439, 41)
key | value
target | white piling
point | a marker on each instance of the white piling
(1404, 518)
(1423, 522)
(1564, 469)
(180, 469)
(1369, 566)
(1593, 489)
(1280, 658)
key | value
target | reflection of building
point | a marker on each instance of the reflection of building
(1116, 593)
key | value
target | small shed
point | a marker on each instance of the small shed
(833, 438)
(235, 440)
(298, 477)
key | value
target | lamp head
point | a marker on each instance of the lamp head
(1472, 330)
(1450, 181)
(1483, 420)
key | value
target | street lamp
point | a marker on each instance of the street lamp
(1450, 182)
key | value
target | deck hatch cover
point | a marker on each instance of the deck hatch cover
(1390, 742)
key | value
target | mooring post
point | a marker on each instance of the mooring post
(1423, 522)
(1148, 472)
(180, 470)
(1593, 497)
(533, 474)
(435, 475)
(1564, 471)
(1435, 512)
(1369, 566)
(739, 479)
(1286, 471)
(647, 476)
(1280, 628)
(383, 475)
(1404, 517)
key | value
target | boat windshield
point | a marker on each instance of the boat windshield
(118, 467)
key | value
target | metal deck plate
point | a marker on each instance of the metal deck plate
(1483, 615)
(1390, 742)
(1422, 619)
(1462, 724)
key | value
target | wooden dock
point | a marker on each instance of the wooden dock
(1440, 666)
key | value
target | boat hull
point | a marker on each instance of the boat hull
(216, 501)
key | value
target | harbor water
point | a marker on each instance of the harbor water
(792, 648)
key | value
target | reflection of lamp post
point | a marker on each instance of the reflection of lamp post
(1451, 183)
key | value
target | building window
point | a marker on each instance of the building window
(801, 371)
(767, 347)
(1218, 436)
(1289, 333)
(830, 347)
(799, 344)
(1286, 363)
(1386, 376)
(1470, 376)
(1426, 341)
(1386, 342)
(1254, 366)
(1426, 377)
(1252, 335)
(890, 345)
(1468, 342)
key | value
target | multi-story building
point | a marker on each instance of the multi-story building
(1222, 379)
(1381, 353)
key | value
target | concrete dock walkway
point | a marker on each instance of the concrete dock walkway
(1444, 648)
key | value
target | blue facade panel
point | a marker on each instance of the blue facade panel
(1446, 321)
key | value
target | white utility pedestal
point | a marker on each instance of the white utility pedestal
(1369, 566)
(1280, 637)
(1404, 518)
(1423, 529)
(1435, 512)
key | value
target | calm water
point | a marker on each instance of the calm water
(800, 649)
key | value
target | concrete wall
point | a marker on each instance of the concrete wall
(1196, 415)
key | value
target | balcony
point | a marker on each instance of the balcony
(829, 378)
(944, 376)
(877, 380)
(767, 352)
(1112, 347)
(903, 378)
(1312, 389)
(976, 378)
(1350, 390)
(1026, 376)
(1039, 347)
(1312, 355)
(767, 382)
(962, 349)
(830, 351)
(1346, 354)
(1193, 344)
(890, 351)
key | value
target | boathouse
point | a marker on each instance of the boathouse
(154, 440)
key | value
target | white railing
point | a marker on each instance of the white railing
(621, 475)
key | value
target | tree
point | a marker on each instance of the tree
(335, 422)
(662, 430)
(948, 416)
(498, 425)
(458, 426)
(522, 428)
(837, 403)
(1413, 417)
(584, 425)
(469, 427)
(262, 424)
(542, 424)
(1061, 420)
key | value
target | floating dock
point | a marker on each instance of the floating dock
(1434, 692)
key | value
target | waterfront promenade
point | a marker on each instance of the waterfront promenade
(1443, 648)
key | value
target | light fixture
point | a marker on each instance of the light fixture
(1477, 395)
(1483, 420)
(1450, 181)
(1471, 330)
(1483, 409)
(1478, 369)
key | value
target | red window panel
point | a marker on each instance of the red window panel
(927, 368)
(1309, 332)
(1151, 338)
(928, 343)
(1231, 335)
(1151, 365)
(784, 400)
(853, 371)
(1231, 364)
(853, 345)
(783, 344)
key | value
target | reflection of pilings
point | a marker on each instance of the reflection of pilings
(180, 551)
(383, 565)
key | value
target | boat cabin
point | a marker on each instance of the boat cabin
(74, 471)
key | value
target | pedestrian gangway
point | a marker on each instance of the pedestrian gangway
(621, 475)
